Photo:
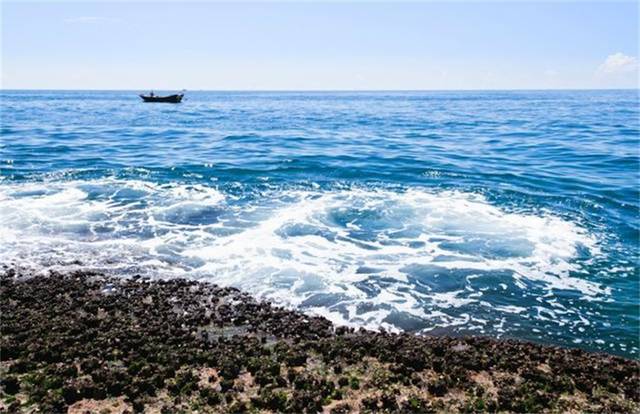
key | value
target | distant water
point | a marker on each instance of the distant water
(509, 214)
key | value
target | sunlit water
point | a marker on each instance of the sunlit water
(508, 214)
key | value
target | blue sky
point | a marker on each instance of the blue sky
(326, 45)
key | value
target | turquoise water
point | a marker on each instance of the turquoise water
(508, 214)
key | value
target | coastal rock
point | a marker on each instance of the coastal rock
(85, 341)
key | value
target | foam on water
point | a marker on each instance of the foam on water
(400, 259)
(108, 224)
(359, 256)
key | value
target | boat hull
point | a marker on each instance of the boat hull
(163, 99)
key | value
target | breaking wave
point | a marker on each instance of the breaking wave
(412, 259)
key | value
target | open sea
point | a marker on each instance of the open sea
(507, 214)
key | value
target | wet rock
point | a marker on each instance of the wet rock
(10, 384)
(82, 336)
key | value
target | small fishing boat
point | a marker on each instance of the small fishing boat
(167, 99)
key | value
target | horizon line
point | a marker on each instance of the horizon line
(318, 90)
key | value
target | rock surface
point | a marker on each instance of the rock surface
(87, 341)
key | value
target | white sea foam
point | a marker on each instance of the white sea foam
(365, 257)
(314, 244)
(108, 224)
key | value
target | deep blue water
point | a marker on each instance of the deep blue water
(509, 214)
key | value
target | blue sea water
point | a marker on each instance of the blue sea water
(508, 214)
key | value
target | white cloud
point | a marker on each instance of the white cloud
(619, 63)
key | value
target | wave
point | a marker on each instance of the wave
(359, 256)
(374, 257)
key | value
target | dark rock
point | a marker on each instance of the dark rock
(10, 384)
(65, 339)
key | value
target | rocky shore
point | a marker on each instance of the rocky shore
(85, 342)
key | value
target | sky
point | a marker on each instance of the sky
(319, 45)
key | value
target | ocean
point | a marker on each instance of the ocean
(506, 214)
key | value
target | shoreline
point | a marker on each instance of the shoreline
(84, 341)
